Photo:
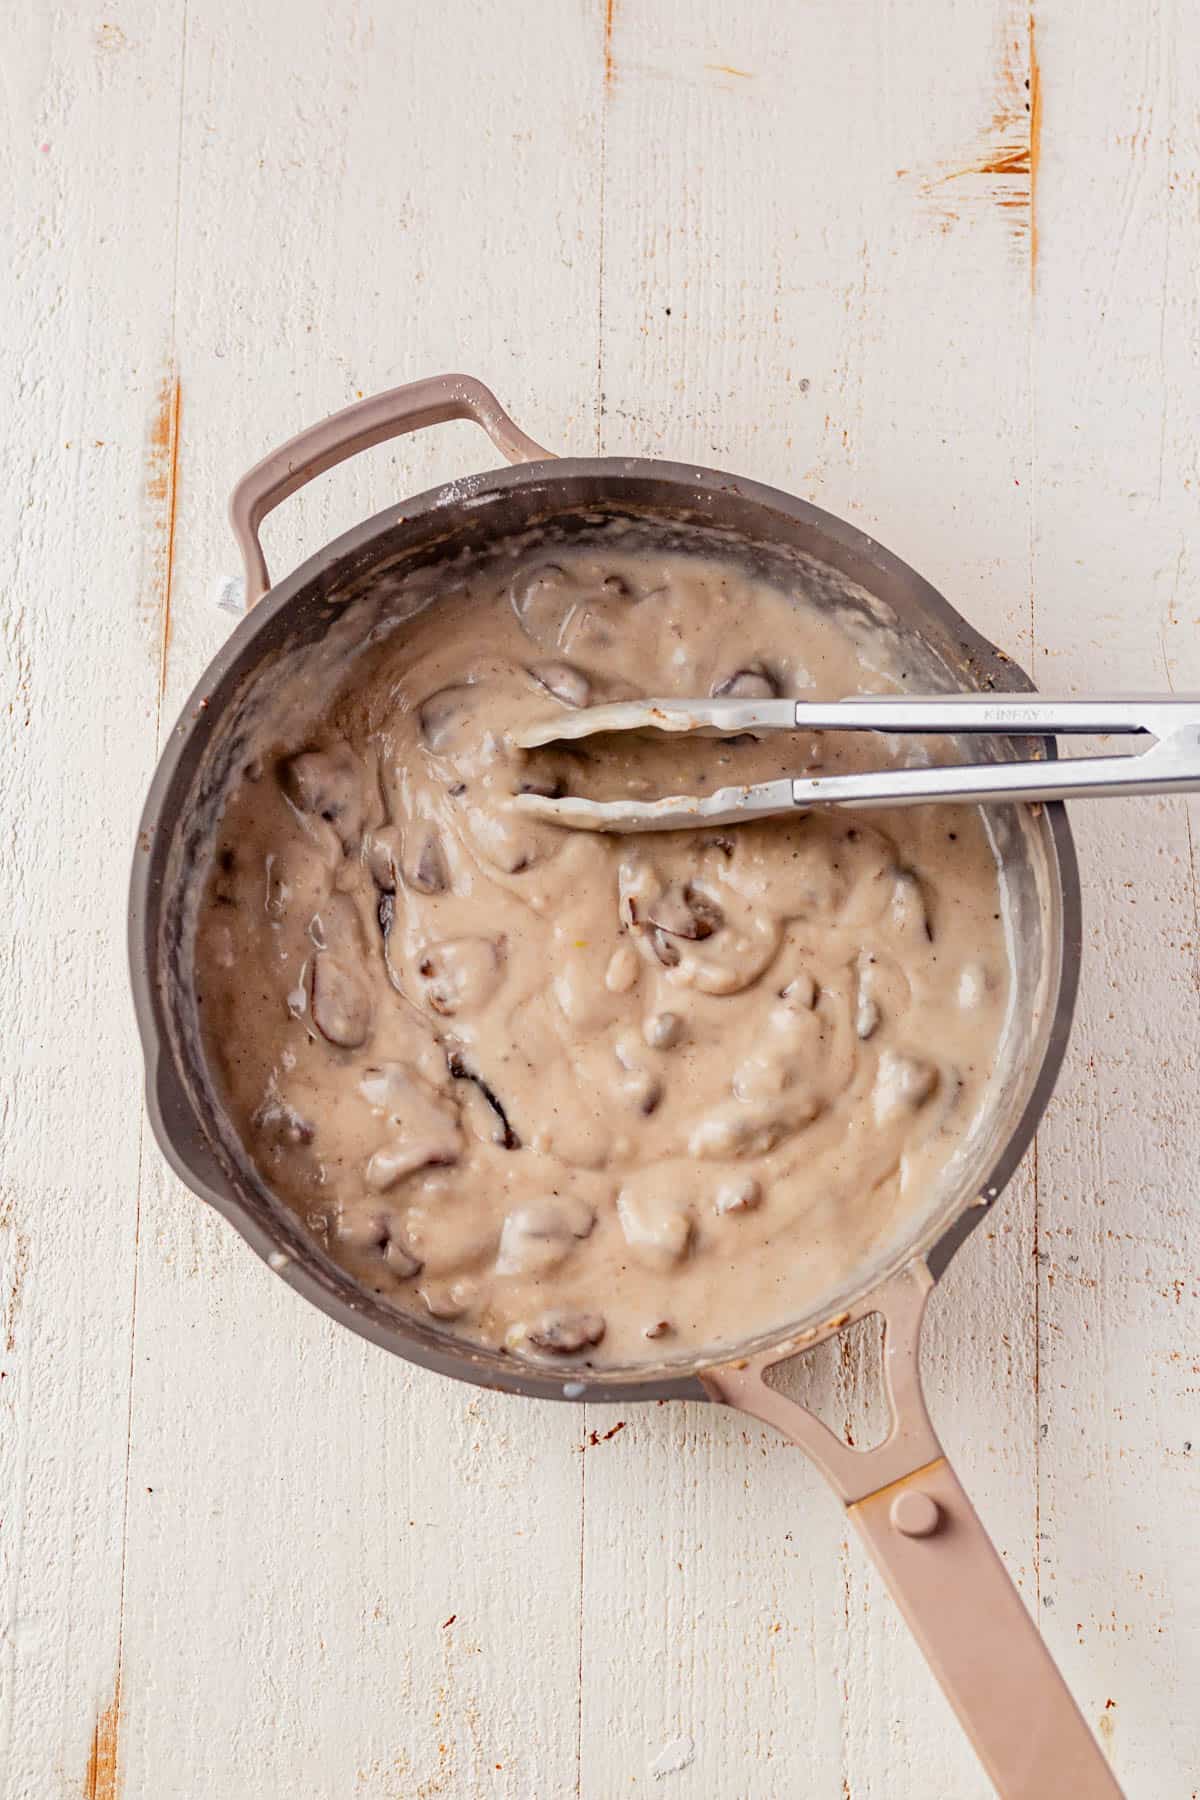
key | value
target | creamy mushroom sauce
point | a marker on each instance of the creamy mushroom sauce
(594, 1099)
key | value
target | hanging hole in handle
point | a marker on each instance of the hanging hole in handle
(840, 1381)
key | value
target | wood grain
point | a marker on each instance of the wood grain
(934, 271)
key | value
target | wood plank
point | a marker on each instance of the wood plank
(82, 543)
(824, 287)
(1119, 603)
(346, 1576)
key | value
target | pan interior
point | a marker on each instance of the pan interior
(378, 576)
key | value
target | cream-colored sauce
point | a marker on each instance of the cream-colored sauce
(602, 1099)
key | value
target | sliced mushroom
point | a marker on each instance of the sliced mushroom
(910, 908)
(408, 1154)
(866, 1015)
(378, 1233)
(447, 1300)
(328, 783)
(423, 1123)
(565, 1333)
(882, 992)
(402, 1262)
(623, 969)
(445, 718)
(502, 1132)
(507, 840)
(282, 1125)
(738, 1129)
(683, 910)
(461, 974)
(383, 849)
(564, 681)
(667, 951)
(740, 1194)
(902, 1085)
(657, 1328)
(663, 1030)
(424, 866)
(341, 1002)
(537, 1238)
(657, 1229)
(751, 682)
(543, 599)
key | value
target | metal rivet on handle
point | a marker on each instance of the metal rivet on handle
(915, 1514)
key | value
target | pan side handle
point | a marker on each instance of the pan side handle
(358, 427)
(941, 1566)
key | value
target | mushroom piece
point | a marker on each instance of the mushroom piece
(663, 1030)
(282, 1125)
(741, 1129)
(658, 1232)
(341, 1002)
(752, 682)
(684, 910)
(448, 1300)
(391, 1164)
(882, 991)
(564, 681)
(565, 1333)
(741, 1194)
(902, 1085)
(501, 1131)
(623, 969)
(377, 1232)
(329, 784)
(424, 865)
(461, 974)
(543, 598)
(910, 908)
(424, 1124)
(537, 1238)
(383, 849)
(443, 717)
(639, 1085)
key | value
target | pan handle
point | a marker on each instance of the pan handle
(355, 428)
(941, 1566)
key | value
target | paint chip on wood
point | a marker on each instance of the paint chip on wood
(102, 1779)
(162, 498)
(673, 1757)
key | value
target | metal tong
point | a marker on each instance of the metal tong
(1170, 766)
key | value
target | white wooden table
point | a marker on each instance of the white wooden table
(904, 257)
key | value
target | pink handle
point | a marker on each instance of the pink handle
(941, 1566)
(355, 428)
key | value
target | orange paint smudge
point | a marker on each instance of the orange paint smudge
(1007, 162)
(1002, 167)
(610, 7)
(101, 1782)
(162, 499)
(728, 69)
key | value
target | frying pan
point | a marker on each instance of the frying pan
(902, 1495)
